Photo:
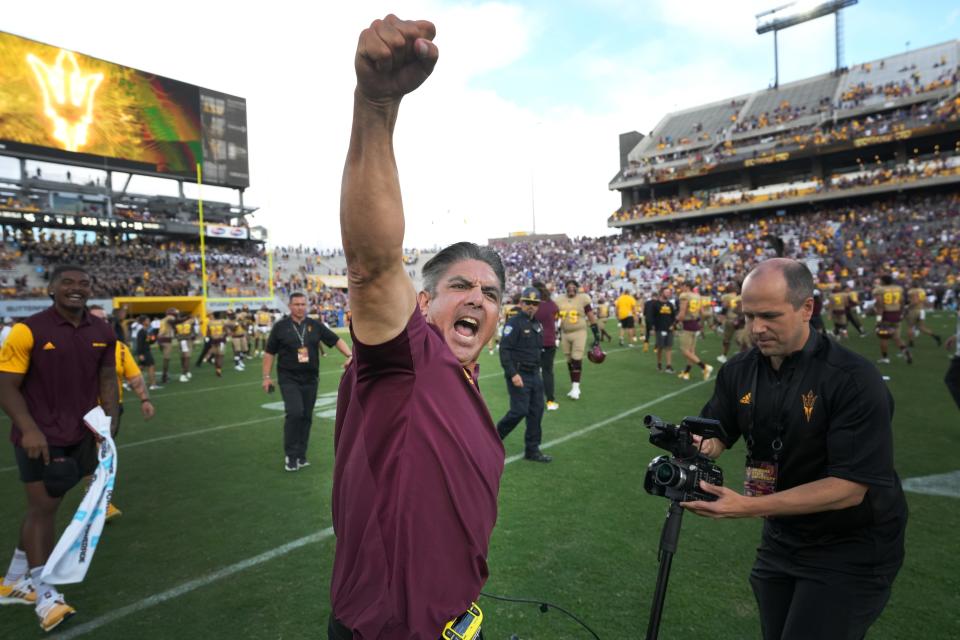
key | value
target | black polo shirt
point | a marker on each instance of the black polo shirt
(664, 315)
(287, 337)
(832, 413)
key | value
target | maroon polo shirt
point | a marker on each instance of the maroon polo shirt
(61, 381)
(415, 483)
(546, 313)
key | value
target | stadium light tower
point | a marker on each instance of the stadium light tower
(794, 13)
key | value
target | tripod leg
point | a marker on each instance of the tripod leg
(669, 538)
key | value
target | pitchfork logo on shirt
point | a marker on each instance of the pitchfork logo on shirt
(808, 401)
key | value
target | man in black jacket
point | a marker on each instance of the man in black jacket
(816, 421)
(520, 350)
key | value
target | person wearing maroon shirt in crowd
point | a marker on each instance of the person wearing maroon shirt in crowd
(55, 367)
(417, 457)
(547, 314)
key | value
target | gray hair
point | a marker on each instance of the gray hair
(436, 266)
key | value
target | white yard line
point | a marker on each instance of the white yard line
(192, 585)
(185, 392)
(174, 436)
(221, 427)
(323, 534)
(619, 416)
(198, 432)
(941, 484)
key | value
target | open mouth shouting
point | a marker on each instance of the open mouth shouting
(466, 326)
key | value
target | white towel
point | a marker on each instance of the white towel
(72, 556)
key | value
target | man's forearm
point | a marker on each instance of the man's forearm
(267, 365)
(371, 222)
(343, 348)
(371, 207)
(139, 387)
(828, 494)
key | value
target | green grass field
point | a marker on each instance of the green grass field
(217, 541)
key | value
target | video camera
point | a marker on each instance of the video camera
(678, 477)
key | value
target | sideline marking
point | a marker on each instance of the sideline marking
(941, 484)
(186, 392)
(619, 416)
(174, 436)
(187, 587)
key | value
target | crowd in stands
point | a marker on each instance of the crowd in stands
(118, 267)
(774, 134)
(770, 144)
(698, 133)
(912, 84)
(782, 114)
(911, 237)
(233, 270)
(10, 283)
(18, 203)
(865, 175)
(133, 267)
(555, 259)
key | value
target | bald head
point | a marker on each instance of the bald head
(795, 275)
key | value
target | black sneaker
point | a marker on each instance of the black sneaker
(537, 456)
(290, 464)
(302, 462)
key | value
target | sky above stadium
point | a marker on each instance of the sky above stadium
(519, 124)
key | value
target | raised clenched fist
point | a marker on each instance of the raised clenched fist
(394, 57)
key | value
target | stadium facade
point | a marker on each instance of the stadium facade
(887, 126)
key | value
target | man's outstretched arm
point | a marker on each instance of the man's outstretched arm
(393, 58)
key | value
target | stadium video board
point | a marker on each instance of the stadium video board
(57, 104)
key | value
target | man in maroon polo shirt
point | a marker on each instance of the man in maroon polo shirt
(418, 459)
(547, 314)
(55, 367)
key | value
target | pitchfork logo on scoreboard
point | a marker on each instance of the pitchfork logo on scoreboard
(68, 97)
(58, 104)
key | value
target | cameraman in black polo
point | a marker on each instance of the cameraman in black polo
(816, 421)
(295, 342)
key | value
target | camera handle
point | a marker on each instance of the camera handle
(669, 537)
